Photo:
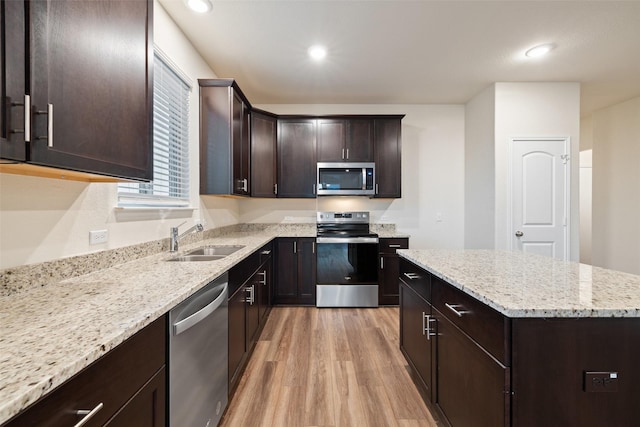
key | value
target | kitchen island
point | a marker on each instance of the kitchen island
(506, 338)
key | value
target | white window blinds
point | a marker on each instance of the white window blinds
(170, 185)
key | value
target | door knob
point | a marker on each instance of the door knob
(519, 233)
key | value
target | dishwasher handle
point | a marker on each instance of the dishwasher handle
(200, 315)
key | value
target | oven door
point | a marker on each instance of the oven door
(347, 272)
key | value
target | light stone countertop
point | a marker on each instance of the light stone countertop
(54, 328)
(50, 333)
(526, 285)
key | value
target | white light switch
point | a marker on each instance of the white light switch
(98, 236)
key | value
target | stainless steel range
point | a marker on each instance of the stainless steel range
(347, 260)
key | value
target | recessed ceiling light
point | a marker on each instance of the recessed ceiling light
(540, 50)
(317, 52)
(200, 6)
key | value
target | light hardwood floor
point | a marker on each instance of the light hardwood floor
(328, 367)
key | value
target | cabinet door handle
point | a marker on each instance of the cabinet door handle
(426, 325)
(275, 189)
(347, 154)
(381, 263)
(376, 188)
(49, 114)
(313, 247)
(314, 189)
(454, 308)
(264, 278)
(249, 299)
(88, 414)
(295, 247)
(412, 276)
(245, 185)
(27, 117)
(342, 155)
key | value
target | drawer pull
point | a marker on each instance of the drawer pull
(412, 276)
(88, 414)
(265, 253)
(394, 246)
(453, 307)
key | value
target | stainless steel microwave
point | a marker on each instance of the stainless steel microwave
(346, 179)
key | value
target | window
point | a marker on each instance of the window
(170, 185)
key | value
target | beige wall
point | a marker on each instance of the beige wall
(494, 116)
(479, 166)
(616, 187)
(535, 110)
(43, 219)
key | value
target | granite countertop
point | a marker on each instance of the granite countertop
(56, 326)
(527, 285)
(50, 333)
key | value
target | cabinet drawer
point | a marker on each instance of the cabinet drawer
(483, 324)
(112, 380)
(240, 273)
(389, 246)
(416, 278)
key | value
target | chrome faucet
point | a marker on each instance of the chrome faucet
(175, 238)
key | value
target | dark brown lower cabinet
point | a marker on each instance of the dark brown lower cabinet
(296, 271)
(249, 306)
(147, 408)
(237, 340)
(129, 381)
(471, 387)
(389, 269)
(551, 362)
(416, 343)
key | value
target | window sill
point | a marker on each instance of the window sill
(124, 214)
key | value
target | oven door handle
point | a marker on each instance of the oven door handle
(321, 240)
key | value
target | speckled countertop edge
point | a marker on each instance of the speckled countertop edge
(522, 285)
(52, 332)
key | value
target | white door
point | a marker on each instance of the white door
(540, 196)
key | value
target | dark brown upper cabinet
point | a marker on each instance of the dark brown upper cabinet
(88, 86)
(224, 138)
(13, 80)
(297, 158)
(387, 153)
(345, 140)
(263, 154)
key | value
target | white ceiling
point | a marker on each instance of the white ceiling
(415, 52)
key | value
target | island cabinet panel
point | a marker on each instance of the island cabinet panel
(416, 339)
(263, 155)
(473, 387)
(486, 326)
(297, 158)
(91, 86)
(128, 378)
(550, 360)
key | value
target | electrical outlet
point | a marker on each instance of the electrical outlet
(600, 382)
(98, 236)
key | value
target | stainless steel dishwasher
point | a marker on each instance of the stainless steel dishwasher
(198, 367)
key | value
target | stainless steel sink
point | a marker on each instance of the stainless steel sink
(207, 253)
(197, 258)
(215, 250)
